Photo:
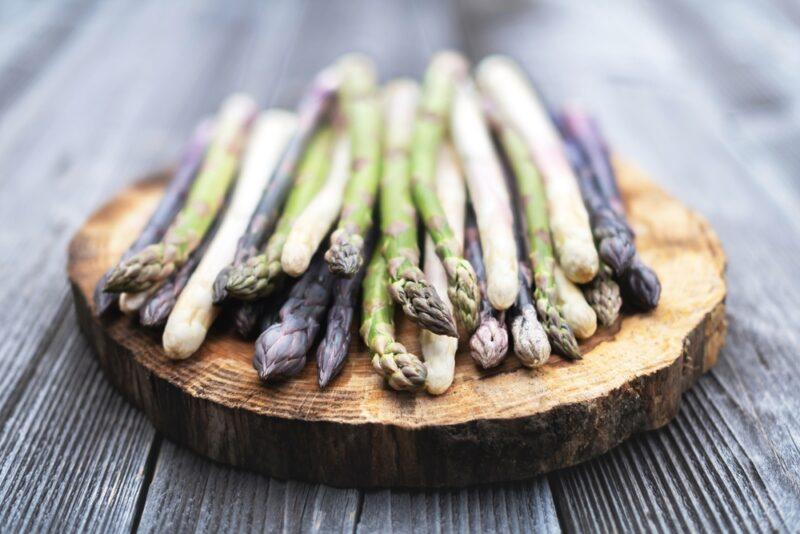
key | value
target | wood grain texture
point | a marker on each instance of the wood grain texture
(517, 421)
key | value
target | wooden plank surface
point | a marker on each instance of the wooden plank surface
(706, 99)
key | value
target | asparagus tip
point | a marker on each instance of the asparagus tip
(422, 304)
(640, 286)
(530, 340)
(249, 280)
(489, 344)
(140, 272)
(344, 258)
(617, 252)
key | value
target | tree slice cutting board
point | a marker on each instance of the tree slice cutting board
(507, 424)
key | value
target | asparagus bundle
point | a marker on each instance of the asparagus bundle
(612, 234)
(603, 295)
(362, 109)
(580, 317)
(489, 195)
(401, 369)
(315, 221)
(518, 106)
(638, 283)
(530, 340)
(282, 348)
(171, 202)
(332, 350)
(258, 276)
(407, 283)
(489, 344)
(440, 351)
(533, 205)
(194, 311)
(156, 262)
(462, 287)
(311, 111)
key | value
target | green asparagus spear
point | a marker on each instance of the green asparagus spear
(402, 370)
(533, 202)
(437, 95)
(407, 283)
(169, 206)
(156, 262)
(257, 277)
(362, 110)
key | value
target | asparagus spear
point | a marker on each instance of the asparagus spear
(130, 303)
(282, 348)
(156, 262)
(489, 194)
(407, 283)
(530, 340)
(532, 198)
(462, 287)
(362, 109)
(584, 131)
(314, 223)
(194, 311)
(603, 295)
(638, 283)
(489, 344)
(171, 202)
(612, 234)
(580, 317)
(311, 111)
(639, 286)
(257, 277)
(518, 105)
(159, 305)
(440, 351)
(401, 369)
(332, 350)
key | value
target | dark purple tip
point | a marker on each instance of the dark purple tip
(640, 287)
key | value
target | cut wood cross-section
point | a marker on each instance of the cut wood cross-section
(506, 424)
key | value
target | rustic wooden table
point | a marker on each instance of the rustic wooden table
(703, 95)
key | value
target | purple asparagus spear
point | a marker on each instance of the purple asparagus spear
(612, 234)
(311, 111)
(170, 204)
(282, 348)
(638, 283)
(332, 350)
(488, 345)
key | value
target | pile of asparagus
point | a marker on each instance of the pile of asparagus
(286, 219)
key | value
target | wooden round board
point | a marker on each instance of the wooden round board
(507, 424)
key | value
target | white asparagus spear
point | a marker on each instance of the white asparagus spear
(129, 303)
(194, 311)
(580, 317)
(515, 101)
(440, 351)
(314, 222)
(489, 194)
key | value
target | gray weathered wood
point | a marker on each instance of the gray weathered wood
(188, 493)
